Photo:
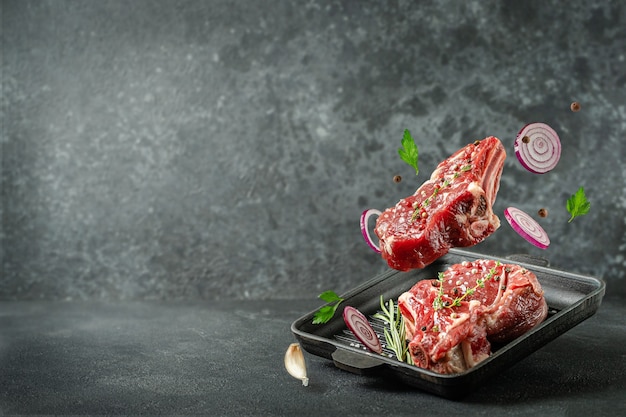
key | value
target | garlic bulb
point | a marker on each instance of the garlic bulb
(294, 363)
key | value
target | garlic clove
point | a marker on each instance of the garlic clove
(294, 363)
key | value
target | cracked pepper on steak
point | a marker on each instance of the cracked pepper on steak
(451, 209)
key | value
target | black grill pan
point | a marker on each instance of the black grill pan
(571, 299)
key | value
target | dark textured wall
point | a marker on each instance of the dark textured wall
(204, 149)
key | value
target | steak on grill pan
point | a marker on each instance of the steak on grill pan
(452, 321)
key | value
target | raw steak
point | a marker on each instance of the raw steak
(452, 209)
(495, 304)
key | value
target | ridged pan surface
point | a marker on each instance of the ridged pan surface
(571, 299)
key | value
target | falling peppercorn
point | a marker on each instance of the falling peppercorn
(543, 212)
(525, 139)
(575, 106)
(397, 178)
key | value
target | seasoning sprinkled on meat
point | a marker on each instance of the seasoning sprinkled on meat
(451, 326)
(452, 209)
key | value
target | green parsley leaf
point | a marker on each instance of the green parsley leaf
(408, 153)
(325, 313)
(577, 204)
(329, 296)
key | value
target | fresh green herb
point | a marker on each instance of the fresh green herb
(324, 314)
(446, 183)
(464, 168)
(577, 204)
(408, 152)
(438, 302)
(395, 332)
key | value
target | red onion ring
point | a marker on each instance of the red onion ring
(358, 324)
(365, 231)
(541, 151)
(527, 227)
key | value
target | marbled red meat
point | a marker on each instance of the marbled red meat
(449, 337)
(452, 209)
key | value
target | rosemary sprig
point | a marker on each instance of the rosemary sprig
(395, 332)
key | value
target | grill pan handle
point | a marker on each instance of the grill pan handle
(355, 362)
(529, 259)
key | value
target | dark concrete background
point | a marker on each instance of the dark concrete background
(204, 149)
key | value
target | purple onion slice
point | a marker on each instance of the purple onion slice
(527, 227)
(358, 324)
(365, 216)
(538, 148)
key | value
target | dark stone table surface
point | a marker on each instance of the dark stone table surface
(226, 358)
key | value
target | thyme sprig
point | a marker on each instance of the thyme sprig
(437, 190)
(395, 332)
(438, 302)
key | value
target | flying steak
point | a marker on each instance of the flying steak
(452, 321)
(451, 209)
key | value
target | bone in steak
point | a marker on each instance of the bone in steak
(448, 337)
(452, 209)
